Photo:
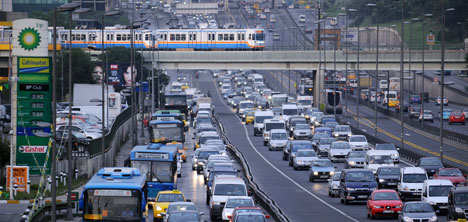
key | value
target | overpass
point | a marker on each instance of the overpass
(304, 60)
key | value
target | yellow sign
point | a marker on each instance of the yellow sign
(34, 65)
(430, 39)
(20, 177)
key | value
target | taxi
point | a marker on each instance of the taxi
(393, 102)
(250, 117)
(180, 148)
(162, 201)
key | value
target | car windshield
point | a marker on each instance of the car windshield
(380, 159)
(260, 119)
(304, 102)
(306, 153)
(173, 207)
(430, 162)
(357, 154)
(414, 178)
(457, 113)
(363, 176)
(230, 190)
(339, 146)
(342, 129)
(320, 136)
(184, 217)
(279, 136)
(205, 154)
(302, 127)
(217, 173)
(323, 163)
(246, 105)
(290, 112)
(271, 126)
(296, 147)
(385, 147)
(450, 173)
(233, 203)
(326, 141)
(461, 198)
(170, 198)
(386, 196)
(439, 191)
(250, 218)
(418, 208)
(389, 171)
(336, 176)
(358, 139)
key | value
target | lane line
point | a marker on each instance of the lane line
(281, 172)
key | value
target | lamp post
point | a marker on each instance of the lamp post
(411, 40)
(320, 56)
(346, 65)
(461, 29)
(333, 22)
(402, 51)
(442, 74)
(371, 5)
(351, 10)
(428, 15)
(104, 77)
(70, 105)
(393, 34)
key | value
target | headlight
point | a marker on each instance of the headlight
(349, 134)
(332, 172)
(350, 189)
(398, 206)
(432, 203)
(158, 208)
(215, 203)
(259, 107)
(351, 162)
(336, 134)
(373, 188)
(335, 186)
(377, 207)
(433, 219)
(381, 180)
(395, 155)
(458, 210)
(300, 161)
(405, 188)
(316, 173)
(407, 219)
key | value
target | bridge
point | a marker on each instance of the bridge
(304, 60)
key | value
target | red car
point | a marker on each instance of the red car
(246, 209)
(385, 203)
(457, 117)
(453, 174)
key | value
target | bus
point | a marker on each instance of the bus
(167, 131)
(168, 115)
(114, 194)
(177, 101)
(159, 163)
(278, 99)
(332, 100)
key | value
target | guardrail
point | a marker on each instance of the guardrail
(264, 200)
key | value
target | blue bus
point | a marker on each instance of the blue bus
(114, 194)
(163, 131)
(159, 163)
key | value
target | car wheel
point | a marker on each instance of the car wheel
(193, 168)
(295, 168)
(311, 179)
(207, 200)
(345, 202)
(371, 215)
(179, 175)
(290, 163)
(284, 157)
(329, 193)
(265, 143)
(432, 121)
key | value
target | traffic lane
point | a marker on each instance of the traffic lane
(12, 212)
(390, 131)
(293, 201)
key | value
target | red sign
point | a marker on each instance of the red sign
(114, 67)
(33, 149)
(74, 196)
(436, 79)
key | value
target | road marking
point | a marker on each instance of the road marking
(281, 172)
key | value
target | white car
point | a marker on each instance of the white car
(233, 202)
(304, 158)
(383, 84)
(358, 142)
(339, 151)
(334, 185)
(302, 131)
(342, 132)
(390, 149)
(376, 159)
(278, 139)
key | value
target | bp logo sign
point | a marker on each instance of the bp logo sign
(29, 38)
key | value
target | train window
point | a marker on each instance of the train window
(83, 37)
(250, 36)
(231, 37)
(172, 37)
(124, 37)
(243, 36)
(177, 37)
(183, 37)
(220, 37)
(73, 37)
(129, 37)
(209, 36)
(119, 37)
(65, 37)
(239, 36)
(147, 37)
(226, 37)
(194, 36)
(212, 36)
(165, 37)
(190, 37)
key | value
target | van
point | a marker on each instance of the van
(457, 203)
(411, 182)
(435, 192)
(270, 124)
(376, 159)
(356, 184)
(259, 119)
(288, 110)
(258, 79)
(389, 95)
(222, 189)
(302, 18)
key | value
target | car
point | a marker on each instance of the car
(278, 139)
(239, 210)
(457, 117)
(445, 114)
(321, 169)
(211, 164)
(185, 216)
(377, 158)
(453, 174)
(339, 150)
(390, 149)
(249, 118)
(302, 131)
(414, 112)
(162, 201)
(221, 190)
(276, 37)
(250, 217)
(384, 203)
(383, 84)
(426, 116)
(393, 102)
(358, 142)
(179, 206)
(457, 204)
(355, 159)
(415, 99)
(411, 182)
(233, 202)
(342, 132)
(323, 144)
(356, 184)
(202, 158)
(438, 101)
(435, 192)
(430, 164)
(334, 185)
(292, 146)
(304, 158)
(421, 211)
(387, 177)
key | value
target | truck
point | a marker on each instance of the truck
(364, 82)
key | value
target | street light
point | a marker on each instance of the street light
(410, 54)
(428, 15)
(371, 5)
(462, 24)
(320, 56)
(346, 66)
(402, 51)
(351, 10)
(334, 22)
(393, 34)
(442, 74)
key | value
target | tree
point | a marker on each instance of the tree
(82, 68)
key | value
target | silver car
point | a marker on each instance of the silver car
(355, 159)
(334, 185)
(278, 139)
(302, 131)
(417, 211)
(323, 145)
(342, 132)
(304, 158)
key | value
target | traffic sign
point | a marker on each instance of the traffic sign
(74, 196)
(436, 80)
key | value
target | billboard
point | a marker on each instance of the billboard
(120, 75)
(20, 177)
